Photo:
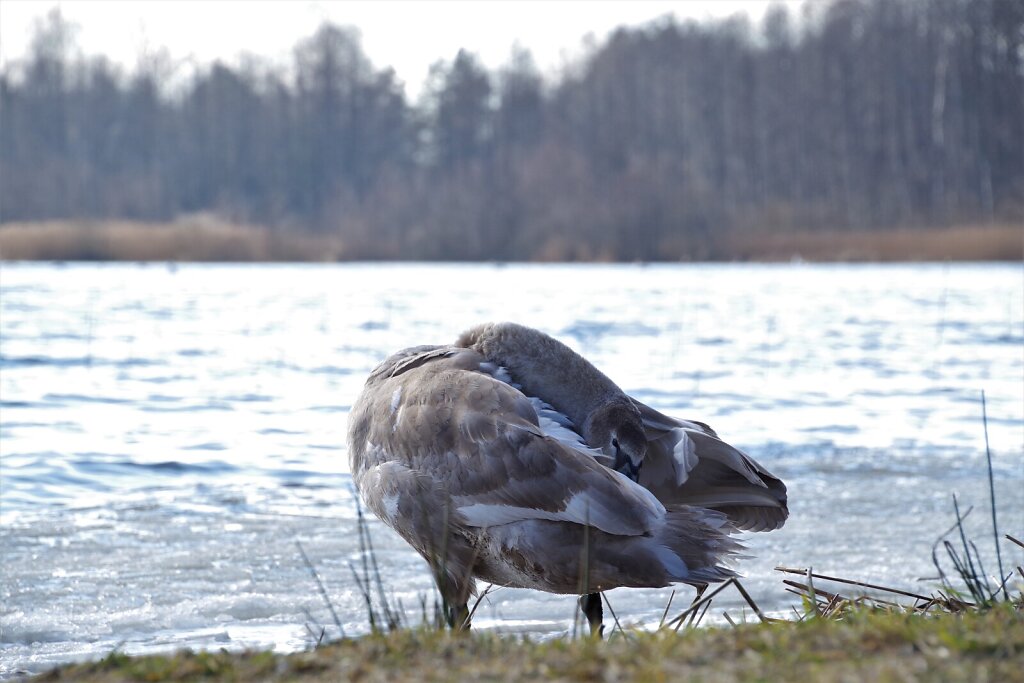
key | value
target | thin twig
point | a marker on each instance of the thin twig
(700, 617)
(394, 617)
(804, 591)
(833, 604)
(364, 583)
(850, 582)
(992, 494)
(678, 621)
(584, 577)
(317, 640)
(614, 617)
(1005, 580)
(697, 616)
(365, 592)
(323, 629)
(750, 601)
(935, 546)
(320, 587)
(480, 598)
(667, 606)
(970, 575)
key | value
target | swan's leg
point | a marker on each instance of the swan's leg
(457, 616)
(696, 598)
(591, 606)
(454, 600)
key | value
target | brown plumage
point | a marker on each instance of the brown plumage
(471, 454)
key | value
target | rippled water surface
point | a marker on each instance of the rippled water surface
(167, 434)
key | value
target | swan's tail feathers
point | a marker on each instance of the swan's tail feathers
(728, 480)
(687, 464)
(694, 546)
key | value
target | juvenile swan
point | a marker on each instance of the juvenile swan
(509, 458)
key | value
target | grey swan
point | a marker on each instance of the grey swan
(508, 457)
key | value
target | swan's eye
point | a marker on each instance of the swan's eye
(615, 443)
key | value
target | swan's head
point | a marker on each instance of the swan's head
(617, 430)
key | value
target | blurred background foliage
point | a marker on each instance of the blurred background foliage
(665, 141)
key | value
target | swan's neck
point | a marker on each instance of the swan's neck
(546, 368)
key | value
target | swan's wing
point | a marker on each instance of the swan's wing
(553, 423)
(478, 438)
(686, 463)
(559, 427)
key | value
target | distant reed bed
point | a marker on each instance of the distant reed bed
(196, 238)
(960, 243)
(205, 237)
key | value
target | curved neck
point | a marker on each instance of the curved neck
(546, 368)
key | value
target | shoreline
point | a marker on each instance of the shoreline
(205, 239)
(864, 645)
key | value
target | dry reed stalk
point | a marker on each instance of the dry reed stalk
(829, 604)
(320, 588)
(480, 598)
(851, 582)
(750, 601)
(696, 604)
(668, 605)
(615, 617)
(696, 621)
(833, 606)
(992, 496)
(704, 601)
(317, 640)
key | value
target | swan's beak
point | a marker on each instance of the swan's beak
(625, 465)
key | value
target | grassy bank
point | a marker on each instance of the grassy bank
(875, 646)
(204, 238)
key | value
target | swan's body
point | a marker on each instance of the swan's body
(472, 453)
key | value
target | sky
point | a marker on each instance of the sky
(407, 35)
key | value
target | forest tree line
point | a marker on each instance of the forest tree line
(657, 143)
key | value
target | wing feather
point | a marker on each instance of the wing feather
(479, 438)
(544, 479)
(686, 463)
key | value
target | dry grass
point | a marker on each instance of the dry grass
(963, 243)
(868, 645)
(205, 238)
(192, 238)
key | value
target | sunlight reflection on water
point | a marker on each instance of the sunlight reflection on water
(168, 434)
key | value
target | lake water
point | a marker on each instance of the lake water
(167, 434)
